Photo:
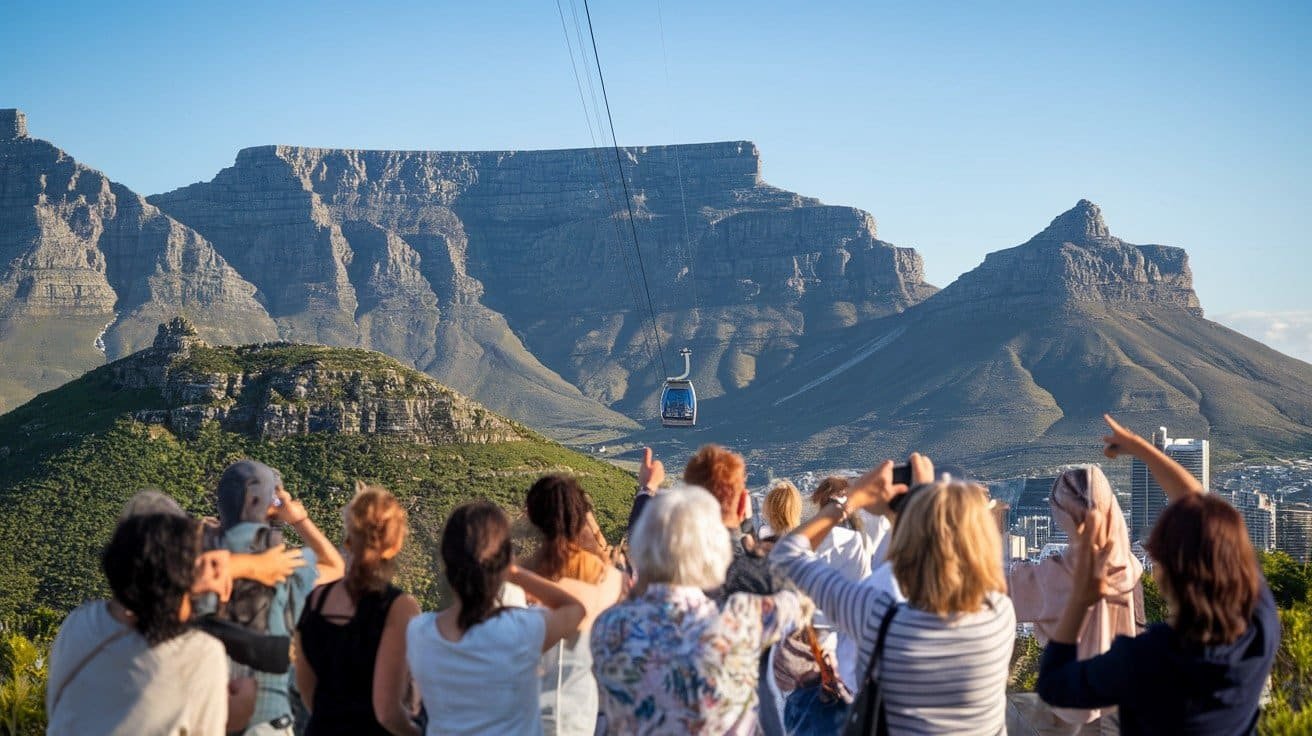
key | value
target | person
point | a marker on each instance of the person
(1203, 670)
(251, 496)
(352, 672)
(215, 572)
(724, 474)
(558, 508)
(476, 662)
(944, 665)
(1039, 591)
(132, 664)
(782, 511)
(668, 659)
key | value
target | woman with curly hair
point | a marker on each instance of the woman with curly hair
(132, 665)
(352, 674)
(558, 507)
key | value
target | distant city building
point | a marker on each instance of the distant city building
(1146, 497)
(1017, 547)
(1037, 531)
(1259, 512)
(1294, 530)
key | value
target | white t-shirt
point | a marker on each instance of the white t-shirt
(485, 683)
(176, 688)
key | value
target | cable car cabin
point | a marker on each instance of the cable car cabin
(678, 403)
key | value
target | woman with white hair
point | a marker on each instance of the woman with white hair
(668, 660)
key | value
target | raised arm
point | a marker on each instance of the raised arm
(329, 563)
(849, 604)
(566, 612)
(1170, 475)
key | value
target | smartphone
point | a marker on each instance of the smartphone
(902, 474)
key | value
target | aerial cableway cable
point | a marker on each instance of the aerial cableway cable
(603, 175)
(628, 199)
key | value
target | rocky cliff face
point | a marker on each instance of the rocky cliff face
(1011, 367)
(88, 268)
(1076, 263)
(275, 390)
(402, 251)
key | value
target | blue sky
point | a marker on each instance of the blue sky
(963, 128)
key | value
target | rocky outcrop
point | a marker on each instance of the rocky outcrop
(274, 390)
(1076, 263)
(393, 250)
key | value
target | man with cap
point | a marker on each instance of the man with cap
(251, 499)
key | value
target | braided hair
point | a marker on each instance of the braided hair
(558, 507)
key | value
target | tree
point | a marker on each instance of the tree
(1288, 578)
(1154, 604)
(23, 674)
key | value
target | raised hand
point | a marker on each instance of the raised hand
(1121, 440)
(290, 511)
(651, 474)
(922, 469)
(276, 564)
(1092, 578)
(875, 489)
(213, 574)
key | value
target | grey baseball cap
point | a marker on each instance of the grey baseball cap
(246, 490)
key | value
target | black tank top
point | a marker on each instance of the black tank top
(342, 655)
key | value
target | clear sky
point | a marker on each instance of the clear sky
(962, 128)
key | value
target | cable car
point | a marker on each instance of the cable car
(678, 398)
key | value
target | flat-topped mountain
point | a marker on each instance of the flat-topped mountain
(1011, 367)
(406, 251)
(510, 276)
(174, 415)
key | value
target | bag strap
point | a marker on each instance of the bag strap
(86, 659)
(828, 679)
(878, 651)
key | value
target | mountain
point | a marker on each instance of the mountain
(431, 256)
(1010, 367)
(174, 415)
(511, 276)
(87, 267)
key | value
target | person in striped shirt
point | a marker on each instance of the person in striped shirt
(944, 665)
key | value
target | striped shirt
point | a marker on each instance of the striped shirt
(938, 676)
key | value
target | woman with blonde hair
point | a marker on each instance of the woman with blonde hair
(940, 658)
(352, 670)
(782, 510)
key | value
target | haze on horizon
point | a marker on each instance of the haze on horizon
(962, 129)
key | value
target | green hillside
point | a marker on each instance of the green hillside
(72, 457)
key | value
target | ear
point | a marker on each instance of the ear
(360, 487)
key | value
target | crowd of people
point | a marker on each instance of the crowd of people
(889, 610)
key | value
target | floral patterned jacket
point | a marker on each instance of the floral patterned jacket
(671, 662)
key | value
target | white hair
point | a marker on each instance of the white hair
(680, 539)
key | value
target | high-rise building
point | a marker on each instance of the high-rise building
(1146, 497)
(1036, 529)
(1294, 530)
(1259, 512)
